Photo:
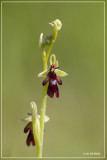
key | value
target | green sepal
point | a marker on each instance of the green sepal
(60, 73)
(44, 73)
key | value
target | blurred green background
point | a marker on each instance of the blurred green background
(76, 123)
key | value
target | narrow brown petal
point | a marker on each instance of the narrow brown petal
(33, 143)
(45, 80)
(57, 91)
(59, 80)
(50, 91)
(28, 127)
(29, 139)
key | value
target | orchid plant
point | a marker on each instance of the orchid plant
(50, 75)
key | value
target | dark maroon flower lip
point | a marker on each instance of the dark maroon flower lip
(53, 79)
(30, 137)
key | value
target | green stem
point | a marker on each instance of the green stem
(47, 56)
(43, 105)
(39, 153)
(42, 115)
(55, 32)
(44, 58)
(44, 96)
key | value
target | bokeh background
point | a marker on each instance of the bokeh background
(76, 123)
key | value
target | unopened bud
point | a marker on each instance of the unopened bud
(56, 23)
(48, 40)
(41, 40)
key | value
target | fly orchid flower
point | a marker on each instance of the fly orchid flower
(30, 138)
(29, 127)
(51, 76)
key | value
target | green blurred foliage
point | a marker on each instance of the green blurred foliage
(76, 119)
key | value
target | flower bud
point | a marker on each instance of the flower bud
(41, 40)
(57, 23)
(48, 40)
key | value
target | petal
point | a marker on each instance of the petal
(50, 91)
(45, 80)
(52, 24)
(29, 139)
(52, 59)
(32, 139)
(28, 119)
(33, 143)
(46, 119)
(59, 80)
(56, 23)
(60, 73)
(44, 73)
(28, 127)
(56, 64)
(57, 91)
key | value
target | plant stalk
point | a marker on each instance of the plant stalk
(42, 115)
(43, 105)
(44, 95)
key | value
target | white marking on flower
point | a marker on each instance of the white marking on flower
(53, 82)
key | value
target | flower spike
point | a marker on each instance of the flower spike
(35, 122)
